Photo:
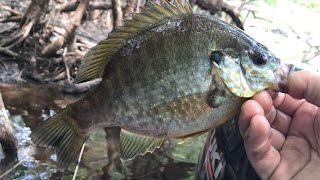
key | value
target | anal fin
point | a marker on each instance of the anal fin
(132, 145)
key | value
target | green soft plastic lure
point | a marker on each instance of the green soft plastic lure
(168, 73)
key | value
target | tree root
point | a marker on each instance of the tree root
(18, 36)
(30, 19)
(132, 6)
(11, 19)
(117, 13)
(7, 140)
(68, 32)
(8, 52)
(72, 6)
(15, 16)
(85, 42)
(12, 11)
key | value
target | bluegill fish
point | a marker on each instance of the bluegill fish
(168, 73)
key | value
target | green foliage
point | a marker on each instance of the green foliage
(188, 151)
(116, 175)
(272, 3)
(82, 174)
(308, 3)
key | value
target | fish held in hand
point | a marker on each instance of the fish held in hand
(168, 73)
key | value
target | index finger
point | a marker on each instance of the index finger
(305, 84)
(286, 103)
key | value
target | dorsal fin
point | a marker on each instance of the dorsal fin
(94, 62)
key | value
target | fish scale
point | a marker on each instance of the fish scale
(168, 73)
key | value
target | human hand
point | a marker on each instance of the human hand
(282, 134)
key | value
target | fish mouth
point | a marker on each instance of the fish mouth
(282, 74)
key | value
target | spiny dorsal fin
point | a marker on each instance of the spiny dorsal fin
(94, 61)
(132, 145)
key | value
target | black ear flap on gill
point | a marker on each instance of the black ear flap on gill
(217, 56)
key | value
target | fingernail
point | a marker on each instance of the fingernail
(257, 108)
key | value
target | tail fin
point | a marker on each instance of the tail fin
(62, 133)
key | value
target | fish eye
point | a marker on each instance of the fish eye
(257, 58)
(216, 56)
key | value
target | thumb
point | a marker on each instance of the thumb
(305, 85)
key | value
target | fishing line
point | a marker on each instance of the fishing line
(78, 162)
(11, 169)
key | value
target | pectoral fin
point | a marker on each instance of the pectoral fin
(132, 145)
